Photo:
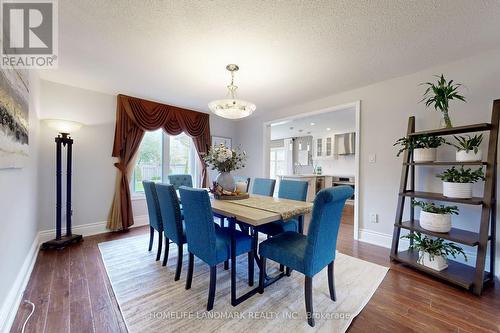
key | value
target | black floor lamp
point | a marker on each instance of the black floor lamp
(63, 140)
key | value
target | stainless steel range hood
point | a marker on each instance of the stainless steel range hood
(345, 143)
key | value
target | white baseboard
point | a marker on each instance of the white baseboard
(90, 229)
(11, 303)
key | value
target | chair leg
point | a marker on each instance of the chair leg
(288, 271)
(309, 300)
(331, 281)
(151, 238)
(222, 222)
(226, 265)
(160, 241)
(179, 262)
(250, 268)
(211, 290)
(189, 278)
(282, 268)
(167, 247)
(262, 274)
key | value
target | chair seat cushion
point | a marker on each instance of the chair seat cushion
(287, 248)
(223, 243)
(275, 228)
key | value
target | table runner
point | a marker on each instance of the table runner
(286, 208)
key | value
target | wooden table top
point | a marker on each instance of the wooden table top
(250, 215)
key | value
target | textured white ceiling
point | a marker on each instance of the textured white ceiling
(289, 52)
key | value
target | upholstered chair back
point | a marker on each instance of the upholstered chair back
(199, 222)
(264, 186)
(170, 212)
(153, 206)
(324, 227)
(293, 189)
(180, 180)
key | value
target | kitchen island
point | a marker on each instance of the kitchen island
(316, 183)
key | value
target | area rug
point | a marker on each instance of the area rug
(151, 301)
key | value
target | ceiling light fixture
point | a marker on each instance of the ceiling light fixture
(312, 124)
(232, 107)
(328, 128)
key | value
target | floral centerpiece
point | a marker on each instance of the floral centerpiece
(225, 160)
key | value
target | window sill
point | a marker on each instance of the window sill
(137, 196)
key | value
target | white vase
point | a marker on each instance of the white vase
(435, 222)
(226, 180)
(438, 263)
(469, 156)
(457, 190)
(424, 154)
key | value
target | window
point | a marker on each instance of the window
(160, 155)
(278, 162)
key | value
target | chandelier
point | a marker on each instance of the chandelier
(232, 107)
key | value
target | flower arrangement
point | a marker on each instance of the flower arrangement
(225, 159)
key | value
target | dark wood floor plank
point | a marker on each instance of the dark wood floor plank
(58, 309)
(81, 318)
(40, 291)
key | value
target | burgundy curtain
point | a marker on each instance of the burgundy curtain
(134, 116)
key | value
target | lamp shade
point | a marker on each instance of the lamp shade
(63, 126)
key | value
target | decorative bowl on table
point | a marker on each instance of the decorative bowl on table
(221, 194)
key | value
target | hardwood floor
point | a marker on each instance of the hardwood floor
(72, 293)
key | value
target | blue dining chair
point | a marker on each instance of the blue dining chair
(293, 190)
(264, 186)
(154, 214)
(310, 254)
(173, 227)
(180, 180)
(209, 243)
(243, 180)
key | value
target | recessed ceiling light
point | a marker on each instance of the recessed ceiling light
(291, 127)
(312, 124)
(301, 131)
(328, 128)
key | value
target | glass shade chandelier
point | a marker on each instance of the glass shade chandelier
(232, 107)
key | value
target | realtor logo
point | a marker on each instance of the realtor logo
(29, 33)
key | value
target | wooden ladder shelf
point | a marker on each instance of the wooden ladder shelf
(469, 277)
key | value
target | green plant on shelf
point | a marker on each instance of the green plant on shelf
(419, 141)
(439, 95)
(431, 207)
(467, 143)
(454, 175)
(436, 247)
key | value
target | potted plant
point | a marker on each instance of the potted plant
(225, 160)
(439, 95)
(433, 253)
(468, 148)
(457, 183)
(435, 218)
(422, 146)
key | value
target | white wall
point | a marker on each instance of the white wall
(93, 170)
(385, 108)
(19, 215)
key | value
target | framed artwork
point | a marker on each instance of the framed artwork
(14, 118)
(217, 140)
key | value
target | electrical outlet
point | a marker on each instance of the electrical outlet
(372, 158)
(373, 217)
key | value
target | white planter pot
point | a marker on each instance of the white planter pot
(438, 263)
(435, 222)
(457, 190)
(469, 156)
(424, 154)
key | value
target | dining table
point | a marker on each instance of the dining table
(249, 214)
